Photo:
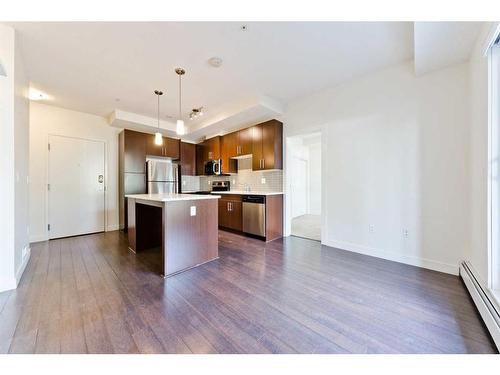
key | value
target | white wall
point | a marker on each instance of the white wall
(477, 254)
(396, 151)
(45, 120)
(7, 275)
(314, 206)
(299, 180)
(14, 120)
(21, 165)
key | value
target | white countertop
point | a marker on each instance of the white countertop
(172, 197)
(241, 192)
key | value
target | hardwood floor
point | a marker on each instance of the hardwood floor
(89, 294)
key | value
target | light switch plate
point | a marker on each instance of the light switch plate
(193, 210)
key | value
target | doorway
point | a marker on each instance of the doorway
(76, 192)
(305, 185)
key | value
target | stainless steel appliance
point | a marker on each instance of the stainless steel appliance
(221, 186)
(213, 167)
(162, 177)
(254, 214)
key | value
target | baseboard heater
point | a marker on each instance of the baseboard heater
(485, 303)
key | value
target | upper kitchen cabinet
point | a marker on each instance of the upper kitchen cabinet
(170, 147)
(228, 147)
(207, 150)
(267, 146)
(245, 142)
(188, 159)
(133, 151)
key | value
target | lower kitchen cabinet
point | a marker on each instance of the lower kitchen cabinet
(230, 212)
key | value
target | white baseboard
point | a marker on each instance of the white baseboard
(39, 238)
(21, 269)
(112, 227)
(401, 258)
(485, 303)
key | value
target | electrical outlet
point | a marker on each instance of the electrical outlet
(193, 211)
(234, 181)
(209, 182)
(183, 183)
(406, 233)
(263, 180)
(371, 228)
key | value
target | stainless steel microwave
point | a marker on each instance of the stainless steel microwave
(213, 167)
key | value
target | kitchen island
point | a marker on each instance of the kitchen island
(184, 226)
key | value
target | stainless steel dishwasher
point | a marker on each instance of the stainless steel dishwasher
(254, 214)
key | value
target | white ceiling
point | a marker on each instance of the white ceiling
(441, 44)
(100, 68)
(86, 66)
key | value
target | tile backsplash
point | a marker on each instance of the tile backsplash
(262, 181)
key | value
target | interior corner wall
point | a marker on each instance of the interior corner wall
(21, 165)
(7, 272)
(14, 245)
(48, 120)
(397, 151)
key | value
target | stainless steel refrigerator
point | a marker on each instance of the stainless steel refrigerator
(163, 176)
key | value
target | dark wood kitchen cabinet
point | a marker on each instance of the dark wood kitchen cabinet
(131, 168)
(207, 150)
(231, 212)
(245, 141)
(132, 151)
(170, 147)
(267, 146)
(188, 159)
(228, 145)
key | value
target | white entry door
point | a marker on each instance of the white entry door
(76, 186)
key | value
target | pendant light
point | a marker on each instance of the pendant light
(180, 123)
(158, 136)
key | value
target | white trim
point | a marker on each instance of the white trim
(39, 238)
(490, 38)
(475, 293)
(112, 227)
(21, 269)
(400, 258)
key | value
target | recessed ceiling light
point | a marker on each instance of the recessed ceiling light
(35, 94)
(215, 61)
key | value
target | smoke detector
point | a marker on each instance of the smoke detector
(215, 61)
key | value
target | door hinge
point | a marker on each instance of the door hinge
(48, 186)
(48, 146)
(48, 226)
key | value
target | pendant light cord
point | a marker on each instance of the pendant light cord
(180, 97)
(158, 113)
